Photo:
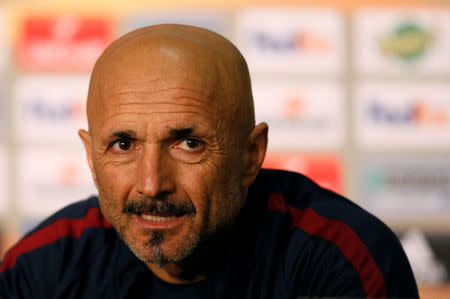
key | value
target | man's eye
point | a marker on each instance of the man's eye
(121, 145)
(191, 144)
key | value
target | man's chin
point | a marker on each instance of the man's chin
(160, 251)
(157, 258)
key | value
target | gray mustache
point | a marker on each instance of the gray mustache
(158, 207)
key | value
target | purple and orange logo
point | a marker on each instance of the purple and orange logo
(294, 41)
(419, 112)
(41, 110)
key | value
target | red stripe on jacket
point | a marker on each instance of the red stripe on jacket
(64, 227)
(340, 234)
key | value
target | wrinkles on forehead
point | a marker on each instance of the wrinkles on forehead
(124, 89)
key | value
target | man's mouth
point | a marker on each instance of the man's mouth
(153, 221)
(157, 218)
(159, 214)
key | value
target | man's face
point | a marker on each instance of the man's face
(167, 172)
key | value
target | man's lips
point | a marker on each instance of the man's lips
(153, 221)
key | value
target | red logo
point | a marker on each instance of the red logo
(64, 43)
(324, 170)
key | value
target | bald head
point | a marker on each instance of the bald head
(175, 53)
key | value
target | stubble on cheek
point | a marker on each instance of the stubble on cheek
(110, 204)
(227, 200)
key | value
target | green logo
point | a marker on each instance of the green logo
(408, 41)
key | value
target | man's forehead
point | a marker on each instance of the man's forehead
(140, 86)
(163, 68)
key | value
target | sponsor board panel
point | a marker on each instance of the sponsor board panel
(64, 42)
(403, 116)
(406, 187)
(326, 170)
(301, 115)
(4, 198)
(291, 39)
(50, 108)
(4, 49)
(49, 179)
(402, 40)
(212, 20)
(3, 111)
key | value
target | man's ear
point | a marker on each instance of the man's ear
(255, 153)
(87, 141)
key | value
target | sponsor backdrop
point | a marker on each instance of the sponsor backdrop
(301, 115)
(291, 40)
(66, 177)
(410, 115)
(3, 111)
(404, 187)
(3, 182)
(63, 42)
(324, 169)
(408, 40)
(4, 50)
(356, 95)
(50, 108)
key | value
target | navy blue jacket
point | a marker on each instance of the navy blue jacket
(294, 239)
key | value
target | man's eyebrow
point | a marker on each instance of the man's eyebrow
(180, 133)
(128, 134)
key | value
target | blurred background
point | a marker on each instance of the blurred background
(356, 94)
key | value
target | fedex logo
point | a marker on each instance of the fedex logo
(296, 41)
(40, 110)
(418, 113)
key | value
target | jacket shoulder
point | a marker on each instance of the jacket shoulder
(323, 220)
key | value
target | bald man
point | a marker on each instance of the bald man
(183, 209)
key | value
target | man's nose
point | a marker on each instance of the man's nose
(155, 177)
